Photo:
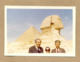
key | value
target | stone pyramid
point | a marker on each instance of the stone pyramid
(29, 35)
(22, 44)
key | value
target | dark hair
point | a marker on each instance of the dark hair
(37, 39)
(57, 41)
(47, 49)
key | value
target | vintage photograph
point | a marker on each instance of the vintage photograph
(40, 31)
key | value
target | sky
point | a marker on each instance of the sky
(19, 20)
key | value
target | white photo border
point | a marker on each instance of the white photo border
(73, 54)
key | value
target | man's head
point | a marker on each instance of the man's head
(38, 42)
(47, 49)
(57, 43)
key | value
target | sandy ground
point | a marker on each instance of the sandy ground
(22, 47)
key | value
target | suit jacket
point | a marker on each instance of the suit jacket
(34, 50)
(61, 50)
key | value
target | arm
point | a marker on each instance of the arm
(30, 50)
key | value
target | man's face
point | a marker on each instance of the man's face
(38, 43)
(57, 44)
(47, 50)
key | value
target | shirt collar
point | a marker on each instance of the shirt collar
(36, 47)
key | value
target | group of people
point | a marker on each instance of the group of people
(38, 49)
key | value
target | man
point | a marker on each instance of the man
(58, 49)
(36, 48)
(47, 49)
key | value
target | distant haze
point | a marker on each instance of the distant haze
(19, 20)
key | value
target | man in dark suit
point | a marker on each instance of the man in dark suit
(58, 49)
(37, 47)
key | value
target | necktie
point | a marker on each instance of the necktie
(57, 51)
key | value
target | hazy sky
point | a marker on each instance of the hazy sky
(19, 20)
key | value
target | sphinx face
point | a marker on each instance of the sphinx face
(56, 22)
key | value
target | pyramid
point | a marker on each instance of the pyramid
(22, 44)
(29, 35)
